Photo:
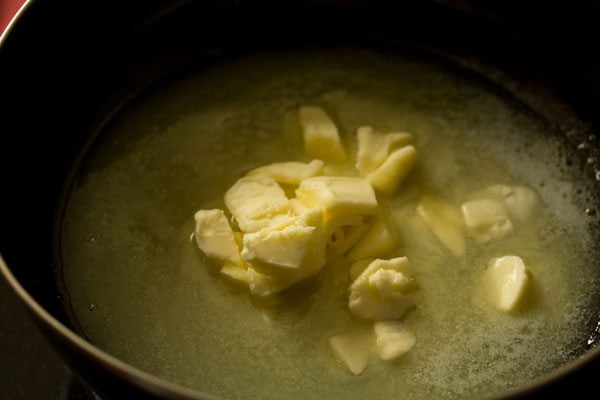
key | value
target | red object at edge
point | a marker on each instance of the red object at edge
(8, 8)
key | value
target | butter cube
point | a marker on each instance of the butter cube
(278, 259)
(264, 285)
(380, 291)
(257, 202)
(321, 138)
(393, 339)
(374, 148)
(353, 349)
(214, 236)
(278, 249)
(389, 175)
(520, 201)
(385, 160)
(235, 274)
(298, 208)
(486, 219)
(335, 224)
(344, 231)
(445, 223)
(505, 282)
(344, 237)
(377, 241)
(315, 258)
(337, 196)
(291, 172)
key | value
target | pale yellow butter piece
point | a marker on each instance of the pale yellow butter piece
(344, 231)
(214, 236)
(486, 219)
(291, 172)
(235, 274)
(264, 285)
(393, 339)
(505, 281)
(285, 248)
(520, 201)
(337, 196)
(321, 137)
(374, 148)
(445, 222)
(385, 160)
(298, 208)
(257, 202)
(380, 291)
(388, 282)
(389, 175)
(344, 237)
(353, 349)
(316, 256)
(274, 269)
(377, 241)
(335, 224)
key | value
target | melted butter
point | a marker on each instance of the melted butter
(160, 307)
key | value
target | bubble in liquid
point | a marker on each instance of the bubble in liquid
(583, 146)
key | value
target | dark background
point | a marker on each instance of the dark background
(29, 368)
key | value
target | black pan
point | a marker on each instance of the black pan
(66, 67)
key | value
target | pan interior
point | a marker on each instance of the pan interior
(138, 289)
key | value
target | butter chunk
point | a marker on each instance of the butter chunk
(257, 202)
(353, 349)
(264, 285)
(520, 201)
(321, 137)
(214, 236)
(377, 241)
(486, 219)
(291, 172)
(385, 160)
(393, 339)
(374, 148)
(236, 274)
(505, 281)
(337, 196)
(344, 237)
(389, 175)
(445, 222)
(380, 291)
(315, 258)
(335, 224)
(283, 248)
(280, 260)
(344, 231)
